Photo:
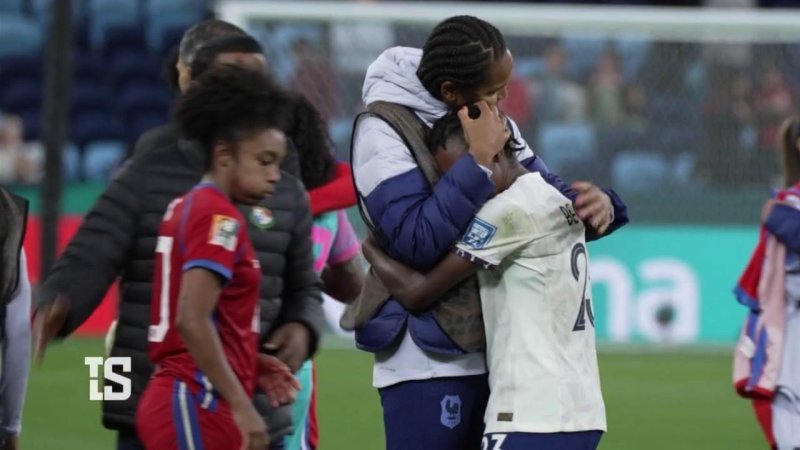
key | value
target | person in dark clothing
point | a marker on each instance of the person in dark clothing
(118, 237)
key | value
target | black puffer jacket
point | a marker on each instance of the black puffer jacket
(118, 238)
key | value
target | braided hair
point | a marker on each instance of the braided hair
(460, 50)
(227, 103)
(309, 135)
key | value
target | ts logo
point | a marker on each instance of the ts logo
(108, 393)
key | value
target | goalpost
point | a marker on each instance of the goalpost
(665, 23)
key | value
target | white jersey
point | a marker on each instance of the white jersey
(537, 311)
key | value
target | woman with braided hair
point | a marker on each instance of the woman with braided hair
(430, 367)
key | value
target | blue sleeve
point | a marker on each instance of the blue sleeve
(535, 164)
(784, 223)
(420, 224)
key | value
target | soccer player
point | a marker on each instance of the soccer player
(528, 247)
(329, 184)
(204, 314)
(770, 373)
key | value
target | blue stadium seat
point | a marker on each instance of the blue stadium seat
(87, 67)
(19, 35)
(154, 8)
(31, 123)
(12, 6)
(20, 67)
(100, 158)
(95, 126)
(20, 95)
(97, 8)
(89, 97)
(123, 38)
(106, 14)
(639, 170)
(144, 122)
(583, 51)
(136, 98)
(133, 67)
(529, 66)
(633, 51)
(612, 140)
(71, 162)
(683, 169)
(169, 39)
(562, 144)
(160, 27)
(679, 122)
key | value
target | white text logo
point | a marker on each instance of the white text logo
(109, 374)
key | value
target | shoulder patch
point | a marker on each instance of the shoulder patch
(223, 232)
(479, 233)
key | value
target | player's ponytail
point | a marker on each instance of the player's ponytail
(227, 101)
(312, 142)
(790, 150)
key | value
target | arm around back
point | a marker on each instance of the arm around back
(420, 224)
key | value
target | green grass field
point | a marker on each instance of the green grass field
(655, 400)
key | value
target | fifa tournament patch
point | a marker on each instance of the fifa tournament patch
(479, 233)
(223, 232)
(261, 218)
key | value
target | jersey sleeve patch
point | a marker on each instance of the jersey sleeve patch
(479, 233)
(224, 231)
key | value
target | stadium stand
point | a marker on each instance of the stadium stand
(116, 92)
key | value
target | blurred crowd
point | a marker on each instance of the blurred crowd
(624, 111)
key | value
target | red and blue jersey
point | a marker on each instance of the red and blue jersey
(203, 229)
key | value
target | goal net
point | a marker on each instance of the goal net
(677, 109)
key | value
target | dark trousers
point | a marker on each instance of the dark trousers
(435, 414)
(127, 440)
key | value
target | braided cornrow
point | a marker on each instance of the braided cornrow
(460, 50)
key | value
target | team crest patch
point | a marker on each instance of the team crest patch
(223, 232)
(479, 233)
(451, 411)
(261, 217)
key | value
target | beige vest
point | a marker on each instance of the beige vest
(459, 311)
